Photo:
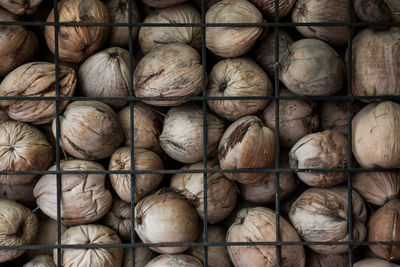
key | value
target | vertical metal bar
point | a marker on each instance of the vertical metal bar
(277, 147)
(131, 131)
(349, 133)
(57, 88)
(204, 103)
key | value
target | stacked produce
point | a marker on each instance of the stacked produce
(199, 165)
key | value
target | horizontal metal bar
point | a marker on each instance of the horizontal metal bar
(281, 170)
(199, 244)
(199, 98)
(236, 25)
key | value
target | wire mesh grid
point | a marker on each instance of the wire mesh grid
(277, 25)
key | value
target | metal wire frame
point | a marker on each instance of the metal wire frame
(203, 98)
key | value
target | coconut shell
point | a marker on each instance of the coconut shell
(162, 3)
(264, 191)
(36, 79)
(315, 259)
(147, 127)
(376, 135)
(267, 7)
(372, 11)
(156, 220)
(383, 226)
(17, 44)
(18, 226)
(320, 215)
(308, 11)
(374, 262)
(170, 70)
(46, 235)
(22, 148)
(118, 218)
(41, 261)
(76, 43)
(376, 63)
(312, 67)
(84, 198)
(106, 74)
(119, 13)
(217, 255)
(144, 183)
(90, 234)
(264, 53)
(394, 7)
(238, 77)
(21, 7)
(258, 225)
(221, 192)
(142, 256)
(322, 150)
(377, 188)
(151, 37)
(180, 260)
(293, 114)
(232, 41)
(247, 143)
(89, 130)
(21, 193)
(182, 134)
(3, 116)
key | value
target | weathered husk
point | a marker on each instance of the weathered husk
(181, 260)
(22, 148)
(306, 11)
(315, 259)
(21, 193)
(142, 256)
(232, 41)
(383, 226)
(377, 187)
(238, 77)
(247, 143)
(264, 53)
(297, 118)
(46, 235)
(373, 11)
(18, 226)
(36, 79)
(256, 225)
(322, 150)
(267, 7)
(90, 234)
(376, 62)
(3, 116)
(169, 70)
(41, 261)
(241, 204)
(182, 135)
(151, 37)
(376, 135)
(21, 7)
(394, 7)
(146, 128)
(118, 218)
(264, 191)
(84, 198)
(156, 220)
(312, 67)
(221, 192)
(320, 215)
(333, 115)
(144, 183)
(162, 3)
(217, 256)
(78, 42)
(17, 44)
(89, 130)
(106, 74)
(119, 13)
(374, 262)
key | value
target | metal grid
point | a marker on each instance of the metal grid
(349, 98)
